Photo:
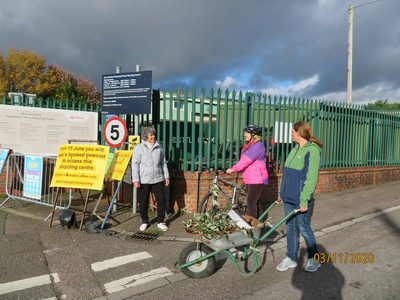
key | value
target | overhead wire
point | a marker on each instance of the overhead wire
(323, 65)
(309, 91)
(366, 4)
(298, 52)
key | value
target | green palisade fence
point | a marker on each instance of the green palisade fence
(54, 104)
(199, 129)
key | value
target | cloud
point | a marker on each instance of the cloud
(273, 46)
(368, 94)
(228, 83)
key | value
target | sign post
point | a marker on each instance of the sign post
(127, 93)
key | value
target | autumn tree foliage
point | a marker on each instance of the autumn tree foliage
(24, 71)
(72, 87)
(3, 81)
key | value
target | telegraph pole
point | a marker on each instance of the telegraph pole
(350, 58)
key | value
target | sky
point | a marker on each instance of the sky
(289, 48)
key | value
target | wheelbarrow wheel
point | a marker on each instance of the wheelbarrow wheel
(206, 204)
(192, 252)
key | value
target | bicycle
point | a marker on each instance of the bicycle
(238, 201)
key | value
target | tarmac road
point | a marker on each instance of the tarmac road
(359, 279)
(37, 262)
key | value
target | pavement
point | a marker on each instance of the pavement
(340, 221)
(332, 211)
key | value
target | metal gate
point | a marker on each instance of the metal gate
(46, 195)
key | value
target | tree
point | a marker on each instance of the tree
(73, 86)
(3, 80)
(25, 72)
(384, 104)
(69, 91)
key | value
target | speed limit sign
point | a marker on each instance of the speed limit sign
(115, 132)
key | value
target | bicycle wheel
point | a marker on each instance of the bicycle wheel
(243, 207)
(206, 204)
(241, 200)
(192, 252)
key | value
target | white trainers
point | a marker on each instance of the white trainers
(286, 264)
(143, 227)
(312, 266)
(162, 226)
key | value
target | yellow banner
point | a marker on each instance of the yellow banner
(119, 164)
(80, 166)
(135, 139)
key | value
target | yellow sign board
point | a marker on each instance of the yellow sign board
(135, 139)
(80, 166)
(119, 164)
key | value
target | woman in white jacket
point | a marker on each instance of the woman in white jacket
(149, 173)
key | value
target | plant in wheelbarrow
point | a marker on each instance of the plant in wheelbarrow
(213, 232)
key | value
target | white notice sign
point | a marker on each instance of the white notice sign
(41, 131)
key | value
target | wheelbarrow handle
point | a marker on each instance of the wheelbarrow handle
(277, 225)
(267, 211)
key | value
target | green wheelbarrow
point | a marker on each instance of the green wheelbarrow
(197, 260)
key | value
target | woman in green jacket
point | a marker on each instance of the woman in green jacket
(298, 183)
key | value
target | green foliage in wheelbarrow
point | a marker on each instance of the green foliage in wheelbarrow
(209, 226)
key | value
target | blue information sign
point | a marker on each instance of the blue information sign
(126, 93)
(3, 158)
(33, 176)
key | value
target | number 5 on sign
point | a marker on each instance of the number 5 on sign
(115, 132)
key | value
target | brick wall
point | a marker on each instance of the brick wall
(184, 187)
(3, 183)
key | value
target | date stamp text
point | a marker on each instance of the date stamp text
(352, 258)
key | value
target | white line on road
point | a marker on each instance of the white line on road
(119, 261)
(27, 283)
(55, 298)
(131, 281)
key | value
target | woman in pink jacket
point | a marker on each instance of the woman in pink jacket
(252, 163)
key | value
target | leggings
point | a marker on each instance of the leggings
(144, 195)
(253, 199)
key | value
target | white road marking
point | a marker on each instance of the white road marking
(27, 283)
(131, 281)
(55, 298)
(119, 261)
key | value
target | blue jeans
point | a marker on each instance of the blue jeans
(301, 220)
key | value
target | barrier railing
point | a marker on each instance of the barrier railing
(46, 196)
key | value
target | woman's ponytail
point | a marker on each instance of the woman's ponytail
(317, 141)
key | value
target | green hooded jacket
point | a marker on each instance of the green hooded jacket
(300, 174)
